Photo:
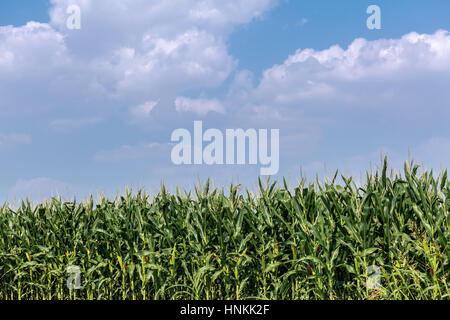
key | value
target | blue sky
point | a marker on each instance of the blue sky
(92, 110)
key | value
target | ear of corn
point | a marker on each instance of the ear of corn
(316, 241)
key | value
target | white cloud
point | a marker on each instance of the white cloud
(387, 92)
(164, 17)
(35, 46)
(337, 104)
(142, 111)
(381, 71)
(199, 106)
(125, 52)
(389, 81)
(34, 63)
(160, 67)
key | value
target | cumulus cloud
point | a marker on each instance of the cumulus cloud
(24, 48)
(384, 94)
(199, 106)
(337, 74)
(395, 79)
(125, 51)
(166, 18)
(144, 57)
(34, 62)
(367, 74)
(127, 55)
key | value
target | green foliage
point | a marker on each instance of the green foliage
(316, 241)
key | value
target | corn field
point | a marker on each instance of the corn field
(313, 241)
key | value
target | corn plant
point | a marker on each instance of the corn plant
(317, 240)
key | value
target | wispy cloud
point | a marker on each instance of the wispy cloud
(302, 22)
(73, 124)
(142, 111)
(14, 139)
(200, 107)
